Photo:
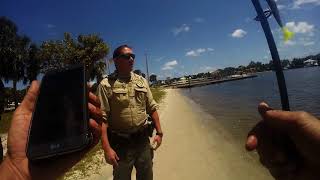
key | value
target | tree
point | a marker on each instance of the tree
(297, 63)
(143, 75)
(33, 65)
(285, 63)
(153, 78)
(138, 71)
(87, 49)
(13, 54)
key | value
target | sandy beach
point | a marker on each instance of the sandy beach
(195, 146)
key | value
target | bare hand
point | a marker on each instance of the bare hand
(273, 135)
(157, 142)
(111, 157)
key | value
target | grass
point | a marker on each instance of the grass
(91, 162)
(158, 94)
(5, 122)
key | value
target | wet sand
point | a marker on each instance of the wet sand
(195, 146)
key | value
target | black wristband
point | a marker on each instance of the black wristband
(159, 134)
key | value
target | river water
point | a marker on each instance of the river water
(234, 104)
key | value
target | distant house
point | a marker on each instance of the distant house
(181, 81)
(310, 62)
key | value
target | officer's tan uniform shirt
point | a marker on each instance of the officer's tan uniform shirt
(125, 102)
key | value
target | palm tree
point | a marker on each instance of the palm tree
(33, 63)
(14, 53)
(86, 49)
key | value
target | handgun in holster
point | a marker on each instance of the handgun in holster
(150, 126)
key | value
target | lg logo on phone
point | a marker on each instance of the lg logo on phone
(54, 146)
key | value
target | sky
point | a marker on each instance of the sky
(180, 37)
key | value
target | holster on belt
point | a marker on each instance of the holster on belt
(150, 126)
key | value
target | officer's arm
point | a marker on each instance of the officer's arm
(156, 120)
(104, 137)
(152, 107)
(105, 108)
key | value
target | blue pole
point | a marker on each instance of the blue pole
(274, 54)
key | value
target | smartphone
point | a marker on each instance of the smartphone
(60, 120)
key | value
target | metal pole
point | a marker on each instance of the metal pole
(107, 63)
(147, 68)
(274, 54)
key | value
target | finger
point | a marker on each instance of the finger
(117, 157)
(31, 97)
(95, 113)
(114, 162)
(93, 99)
(252, 143)
(263, 108)
(281, 120)
(89, 85)
(157, 146)
(254, 135)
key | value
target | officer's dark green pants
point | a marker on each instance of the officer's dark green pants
(134, 152)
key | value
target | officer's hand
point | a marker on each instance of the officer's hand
(156, 142)
(111, 157)
(301, 128)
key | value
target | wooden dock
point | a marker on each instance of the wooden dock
(207, 82)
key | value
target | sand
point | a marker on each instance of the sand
(195, 146)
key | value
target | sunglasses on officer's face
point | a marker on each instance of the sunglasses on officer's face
(127, 56)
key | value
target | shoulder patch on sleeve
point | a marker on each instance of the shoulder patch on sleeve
(105, 82)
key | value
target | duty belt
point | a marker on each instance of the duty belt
(141, 131)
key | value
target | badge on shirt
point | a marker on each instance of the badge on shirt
(140, 83)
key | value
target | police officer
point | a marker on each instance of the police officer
(126, 102)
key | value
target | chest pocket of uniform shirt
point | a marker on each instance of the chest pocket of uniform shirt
(141, 95)
(120, 97)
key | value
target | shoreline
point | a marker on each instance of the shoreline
(195, 146)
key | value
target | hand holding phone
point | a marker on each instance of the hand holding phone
(17, 165)
(60, 120)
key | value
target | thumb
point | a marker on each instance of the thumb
(281, 120)
(31, 97)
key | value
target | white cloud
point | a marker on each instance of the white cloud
(207, 69)
(280, 6)
(247, 20)
(304, 34)
(199, 20)
(290, 43)
(182, 28)
(159, 59)
(51, 26)
(239, 33)
(301, 27)
(298, 3)
(210, 49)
(198, 52)
(169, 65)
(310, 43)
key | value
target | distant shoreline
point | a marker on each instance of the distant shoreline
(208, 82)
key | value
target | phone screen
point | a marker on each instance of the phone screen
(59, 117)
